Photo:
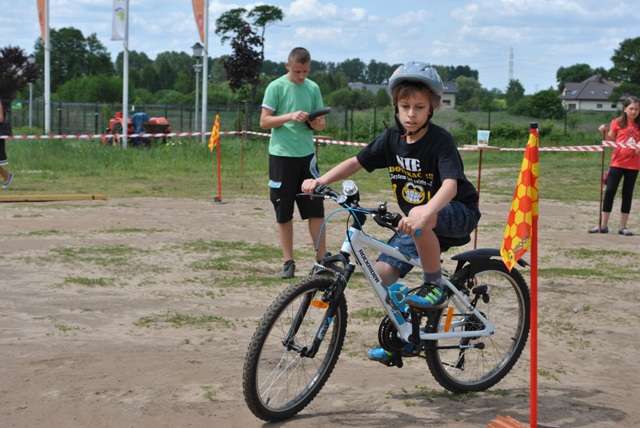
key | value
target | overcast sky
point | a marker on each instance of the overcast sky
(544, 34)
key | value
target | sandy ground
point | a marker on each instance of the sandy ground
(92, 295)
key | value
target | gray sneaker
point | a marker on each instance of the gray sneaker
(288, 269)
(6, 184)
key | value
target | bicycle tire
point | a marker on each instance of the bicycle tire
(267, 346)
(508, 309)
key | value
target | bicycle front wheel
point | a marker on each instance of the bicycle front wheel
(476, 364)
(278, 379)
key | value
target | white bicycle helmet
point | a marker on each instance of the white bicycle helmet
(415, 71)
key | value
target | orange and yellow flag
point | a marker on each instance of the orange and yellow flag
(524, 207)
(214, 139)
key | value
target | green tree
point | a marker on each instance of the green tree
(101, 88)
(515, 92)
(469, 93)
(262, 16)
(546, 105)
(15, 72)
(354, 69)
(98, 58)
(184, 83)
(382, 98)
(244, 64)
(575, 73)
(138, 61)
(149, 78)
(378, 72)
(348, 98)
(329, 82)
(73, 56)
(626, 68)
(450, 72)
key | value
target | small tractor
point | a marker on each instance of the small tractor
(139, 123)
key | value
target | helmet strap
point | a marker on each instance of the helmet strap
(406, 133)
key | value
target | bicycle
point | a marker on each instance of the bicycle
(469, 343)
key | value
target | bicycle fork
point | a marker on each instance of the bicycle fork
(328, 317)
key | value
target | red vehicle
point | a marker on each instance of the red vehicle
(138, 123)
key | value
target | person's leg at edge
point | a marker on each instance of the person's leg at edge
(285, 235)
(4, 174)
(318, 237)
(628, 184)
(613, 179)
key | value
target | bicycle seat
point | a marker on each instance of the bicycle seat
(447, 242)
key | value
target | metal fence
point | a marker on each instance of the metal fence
(362, 125)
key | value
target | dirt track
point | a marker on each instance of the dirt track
(124, 313)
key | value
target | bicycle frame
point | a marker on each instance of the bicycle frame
(355, 243)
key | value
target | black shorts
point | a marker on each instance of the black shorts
(286, 175)
(3, 153)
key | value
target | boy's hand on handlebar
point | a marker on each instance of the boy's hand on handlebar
(409, 225)
(309, 185)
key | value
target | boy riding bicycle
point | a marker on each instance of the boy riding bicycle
(427, 177)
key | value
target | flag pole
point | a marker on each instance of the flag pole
(218, 197)
(47, 72)
(533, 374)
(125, 79)
(205, 71)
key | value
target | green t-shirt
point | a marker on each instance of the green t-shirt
(293, 139)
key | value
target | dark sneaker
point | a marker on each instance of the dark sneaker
(8, 182)
(626, 232)
(434, 298)
(288, 269)
(598, 229)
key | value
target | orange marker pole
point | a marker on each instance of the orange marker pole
(533, 320)
(533, 400)
(218, 198)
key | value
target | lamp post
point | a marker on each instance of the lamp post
(197, 54)
(31, 60)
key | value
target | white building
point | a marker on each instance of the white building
(591, 94)
(448, 95)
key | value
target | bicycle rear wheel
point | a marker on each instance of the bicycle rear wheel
(278, 381)
(476, 364)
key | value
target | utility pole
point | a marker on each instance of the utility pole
(510, 64)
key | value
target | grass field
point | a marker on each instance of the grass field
(184, 168)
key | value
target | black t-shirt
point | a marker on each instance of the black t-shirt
(418, 169)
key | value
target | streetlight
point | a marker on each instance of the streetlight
(197, 54)
(31, 60)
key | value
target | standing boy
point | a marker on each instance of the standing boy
(427, 177)
(5, 129)
(285, 110)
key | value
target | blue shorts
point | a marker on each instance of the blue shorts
(456, 220)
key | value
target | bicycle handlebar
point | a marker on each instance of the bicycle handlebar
(381, 216)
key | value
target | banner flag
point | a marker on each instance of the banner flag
(198, 13)
(214, 139)
(524, 207)
(42, 7)
(118, 27)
